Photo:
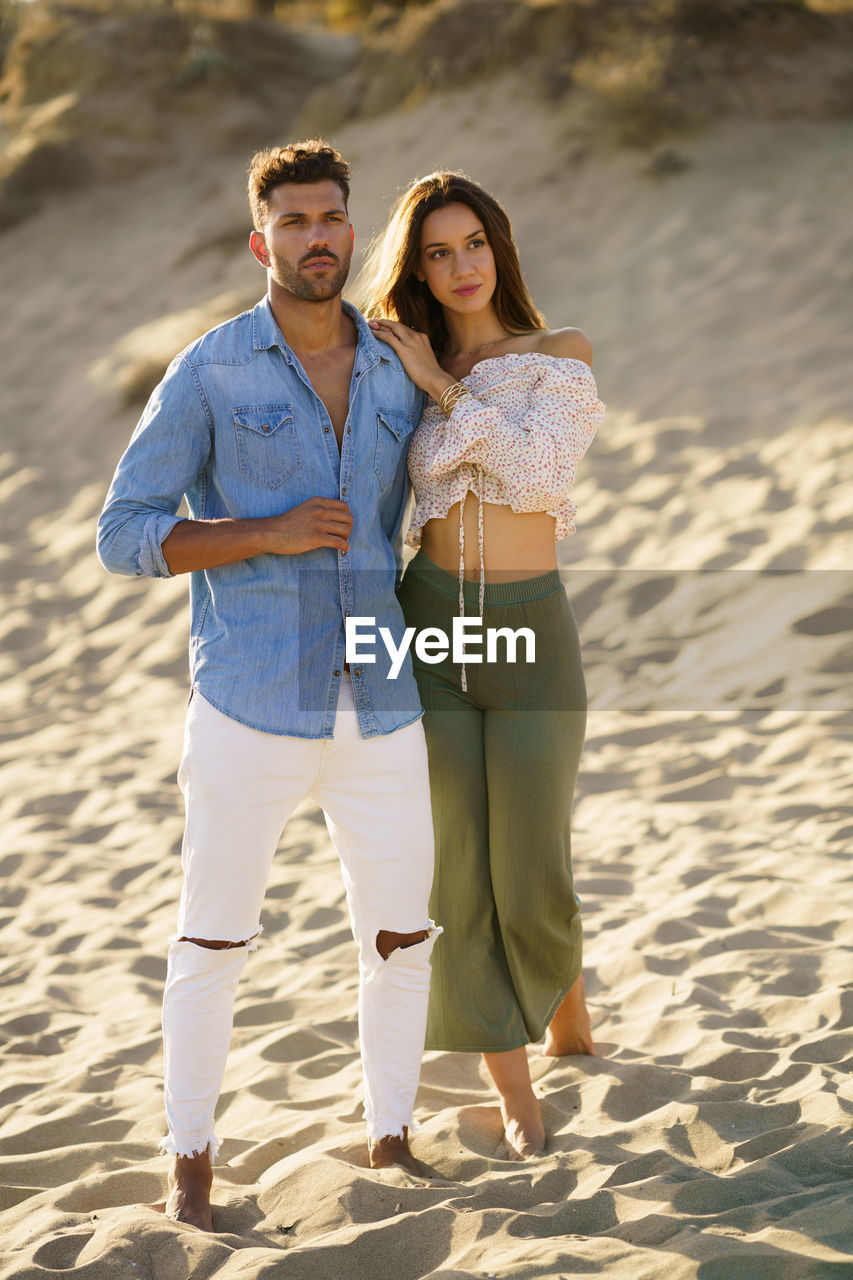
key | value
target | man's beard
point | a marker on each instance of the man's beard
(304, 287)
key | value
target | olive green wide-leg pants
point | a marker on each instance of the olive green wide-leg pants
(503, 760)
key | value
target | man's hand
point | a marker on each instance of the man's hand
(319, 522)
(204, 544)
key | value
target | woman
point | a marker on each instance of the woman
(512, 408)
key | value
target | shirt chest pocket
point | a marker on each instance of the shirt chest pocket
(393, 429)
(267, 444)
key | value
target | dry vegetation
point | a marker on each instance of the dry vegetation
(100, 90)
(645, 67)
(89, 94)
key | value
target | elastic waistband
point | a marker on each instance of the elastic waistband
(522, 591)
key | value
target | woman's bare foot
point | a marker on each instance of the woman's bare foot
(388, 1151)
(523, 1129)
(190, 1179)
(569, 1030)
(522, 1116)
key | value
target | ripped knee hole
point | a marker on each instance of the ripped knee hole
(218, 945)
(388, 941)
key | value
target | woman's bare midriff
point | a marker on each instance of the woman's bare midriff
(515, 546)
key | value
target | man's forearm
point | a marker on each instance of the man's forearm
(204, 544)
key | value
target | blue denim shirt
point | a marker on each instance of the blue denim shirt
(237, 428)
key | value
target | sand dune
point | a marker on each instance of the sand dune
(710, 1138)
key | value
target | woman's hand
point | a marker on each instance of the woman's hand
(416, 355)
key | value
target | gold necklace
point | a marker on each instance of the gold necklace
(472, 351)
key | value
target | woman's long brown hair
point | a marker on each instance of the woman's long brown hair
(388, 286)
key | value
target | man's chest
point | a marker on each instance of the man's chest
(331, 381)
(272, 420)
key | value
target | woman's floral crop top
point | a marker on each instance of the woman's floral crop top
(515, 441)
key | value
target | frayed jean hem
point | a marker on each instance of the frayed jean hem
(388, 1127)
(170, 1147)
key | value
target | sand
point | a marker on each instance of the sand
(710, 1137)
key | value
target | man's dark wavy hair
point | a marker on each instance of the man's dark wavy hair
(299, 163)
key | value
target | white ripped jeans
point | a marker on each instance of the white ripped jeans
(240, 787)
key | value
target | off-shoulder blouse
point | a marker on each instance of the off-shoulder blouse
(515, 441)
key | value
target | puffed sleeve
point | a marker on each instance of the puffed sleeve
(532, 450)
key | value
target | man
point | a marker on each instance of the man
(287, 430)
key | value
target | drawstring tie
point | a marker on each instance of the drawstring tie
(478, 489)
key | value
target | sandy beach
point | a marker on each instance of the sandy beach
(711, 578)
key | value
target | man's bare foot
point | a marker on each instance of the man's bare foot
(523, 1128)
(569, 1030)
(388, 1151)
(190, 1180)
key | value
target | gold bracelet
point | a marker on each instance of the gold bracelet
(450, 397)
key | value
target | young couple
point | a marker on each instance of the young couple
(292, 431)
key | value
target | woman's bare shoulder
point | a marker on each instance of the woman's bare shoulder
(568, 344)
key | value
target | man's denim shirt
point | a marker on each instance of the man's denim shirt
(236, 426)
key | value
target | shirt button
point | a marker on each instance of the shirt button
(344, 489)
(349, 431)
(357, 671)
(265, 427)
(343, 553)
(337, 672)
(326, 430)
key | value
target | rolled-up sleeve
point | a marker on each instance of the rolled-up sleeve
(167, 452)
(150, 560)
